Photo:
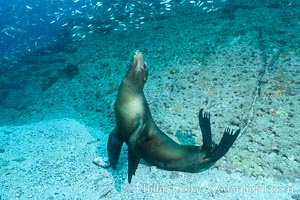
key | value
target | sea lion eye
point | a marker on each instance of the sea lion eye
(145, 65)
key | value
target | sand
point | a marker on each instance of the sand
(53, 160)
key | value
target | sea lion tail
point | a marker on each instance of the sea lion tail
(226, 142)
(114, 146)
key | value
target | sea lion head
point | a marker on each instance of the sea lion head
(138, 70)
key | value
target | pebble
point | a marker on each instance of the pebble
(93, 141)
(153, 169)
(20, 159)
(174, 175)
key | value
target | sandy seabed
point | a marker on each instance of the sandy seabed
(53, 160)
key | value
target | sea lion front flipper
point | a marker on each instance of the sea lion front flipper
(133, 162)
(204, 121)
(134, 154)
(226, 142)
(114, 146)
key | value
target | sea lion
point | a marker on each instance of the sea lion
(135, 127)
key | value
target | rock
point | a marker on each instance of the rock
(100, 162)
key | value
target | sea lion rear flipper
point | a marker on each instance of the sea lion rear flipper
(204, 121)
(114, 146)
(134, 154)
(226, 142)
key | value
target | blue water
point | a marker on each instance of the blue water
(26, 25)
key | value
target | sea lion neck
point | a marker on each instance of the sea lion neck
(132, 88)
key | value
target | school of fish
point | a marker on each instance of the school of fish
(27, 25)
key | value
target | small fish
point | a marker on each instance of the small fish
(8, 34)
(209, 10)
(164, 2)
(28, 7)
(76, 11)
(121, 24)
